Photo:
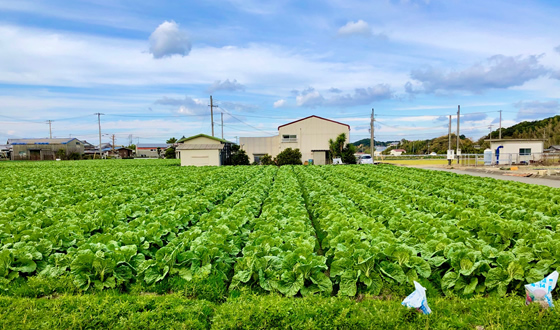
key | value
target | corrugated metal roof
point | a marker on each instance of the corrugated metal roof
(200, 146)
(203, 135)
(40, 141)
(152, 145)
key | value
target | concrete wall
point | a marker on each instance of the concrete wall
(200, 157)
(311, 134)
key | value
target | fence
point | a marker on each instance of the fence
(509, 159)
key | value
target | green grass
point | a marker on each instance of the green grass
(249, 311)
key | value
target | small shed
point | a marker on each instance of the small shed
(516, 151)
(204, 150)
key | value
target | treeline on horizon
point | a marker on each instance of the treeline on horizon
(548, 128)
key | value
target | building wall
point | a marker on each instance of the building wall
(512, 148)
(259, 146)
(200, 157)
(311, 134)
(148, 152)
(46, 151)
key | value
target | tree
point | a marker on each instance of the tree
(289, 157)
(171, 141)
(267, 160)
(170, 153)
(239, 156)
(348, 156)
(339, 150)
(159, 152)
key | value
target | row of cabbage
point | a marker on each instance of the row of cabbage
(470, 250)
(281, 253)
(63, 220)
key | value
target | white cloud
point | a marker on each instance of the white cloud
(557, 49)
(498, 71)
(280, 103)
(168, 40)
(226, 85)
(360, 28)
(362, 96)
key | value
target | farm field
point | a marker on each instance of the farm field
(230, 241)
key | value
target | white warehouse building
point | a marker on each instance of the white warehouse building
(310, 135)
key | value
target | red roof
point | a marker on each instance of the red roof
(332, 121)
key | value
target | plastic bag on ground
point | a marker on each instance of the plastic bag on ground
(417, 299)
(541, 291)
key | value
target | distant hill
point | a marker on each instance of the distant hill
(548, 128)
(365, 143)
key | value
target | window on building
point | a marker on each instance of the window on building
(152, 150)
(258, 158)
(23, 153)
(289, 138)
(524, 151)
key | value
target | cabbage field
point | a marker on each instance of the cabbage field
(134, 227)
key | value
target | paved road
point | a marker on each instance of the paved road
(541, 181)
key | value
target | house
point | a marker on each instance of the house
(123, 152)
(204, 150)
(397, 152)
(553, 149)
(5, 151)
(310, 135)
(44, 149)
(150, 150)
(516, 151)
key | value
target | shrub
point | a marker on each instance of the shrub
(289, 157)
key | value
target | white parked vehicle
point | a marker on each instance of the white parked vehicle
(365, 159)
(337, 161)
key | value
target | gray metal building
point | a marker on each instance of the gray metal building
(44, 149)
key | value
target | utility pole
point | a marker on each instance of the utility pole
(113, 145)
(371, 130)
(490, 135)
(212, 106)
(50, 130)
(449, 145)
(99, 123)
(458, 134)
(222, 115)
(500, 137)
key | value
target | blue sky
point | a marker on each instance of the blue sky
(150, 66)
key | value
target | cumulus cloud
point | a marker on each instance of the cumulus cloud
(557, 49)
(359, 28)
(498, 71)
(168, 40)
(280, 103)
(361, 96)
(187, 106)
(334, 90)
(226, 85)
(530, 110)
